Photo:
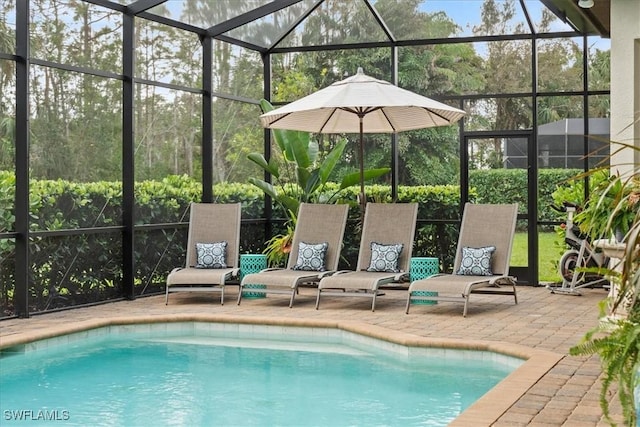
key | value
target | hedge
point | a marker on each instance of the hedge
(76, 267)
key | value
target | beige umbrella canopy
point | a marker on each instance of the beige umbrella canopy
(361, 104)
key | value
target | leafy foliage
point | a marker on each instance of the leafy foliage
(615, 205)
(511, 183)
(300, 174)
(617, 342)
(75, 267)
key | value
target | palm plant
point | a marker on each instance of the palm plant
(615, 206)
(300, 176)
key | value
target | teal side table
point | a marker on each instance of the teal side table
(252, 263)
(421, 268)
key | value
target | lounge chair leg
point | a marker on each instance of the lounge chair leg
(166, 296)
(293, 295)
(222, 296)
(408, 303)
(373, 303)
(464, 311)
(239, 294)
(318, 299)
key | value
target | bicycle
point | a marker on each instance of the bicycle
(580, 256)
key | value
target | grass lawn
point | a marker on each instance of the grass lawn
(549, 254)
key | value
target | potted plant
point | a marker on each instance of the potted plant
(611, 208)
(278, 247)
(615, 207)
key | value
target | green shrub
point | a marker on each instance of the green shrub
(73, 267)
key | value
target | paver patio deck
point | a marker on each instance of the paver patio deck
(567, 395)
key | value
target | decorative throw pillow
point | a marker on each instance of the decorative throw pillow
(385, 257)
(211, 255)
(476, 261)
(311, 256)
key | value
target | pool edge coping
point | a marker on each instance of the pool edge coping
(485, 411)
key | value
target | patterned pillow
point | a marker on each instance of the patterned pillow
(385, 257)
(476, 261)
(311, 256)
(211, 255)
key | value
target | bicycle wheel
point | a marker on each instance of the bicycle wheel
(568, 264)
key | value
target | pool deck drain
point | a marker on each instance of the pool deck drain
(551, 389)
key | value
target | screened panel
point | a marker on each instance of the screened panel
(559, 107)
(7, 277)
(166, 54)
(507, 66)
(599, 143)
(205, 14)
(66, 205)
(298, 75)
(498, 173)
(157, 252)
(76, 126)
(419, 20)
(498, 114)
(237, 71)
(562, 142)
(76, 33)
(549, 244)
(68, 271)
(599, 106)
(470, 17)
(440, 239)
(446, 69)
(267, 31)
(429, 156)
(560, 65)
(168, 133)
(599, 63)
(252, 237)
(236, 133)
(335, 22)
(7, 139)
(543, 20)
(498, 67)
(7, 28)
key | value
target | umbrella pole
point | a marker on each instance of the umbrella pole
(363, 199)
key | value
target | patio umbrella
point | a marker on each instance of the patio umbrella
(361, 104)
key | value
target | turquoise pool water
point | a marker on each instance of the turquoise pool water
(142, 379)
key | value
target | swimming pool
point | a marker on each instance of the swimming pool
(198, 367)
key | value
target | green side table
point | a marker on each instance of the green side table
(252, 263)
(421, 268)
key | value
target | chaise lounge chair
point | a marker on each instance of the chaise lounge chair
(315, 251)
(213, 244)
(481, 265)
(385, 253)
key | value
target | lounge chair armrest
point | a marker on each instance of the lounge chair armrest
(400, 277)
(326, 273)
(502, 280)
(341, 272)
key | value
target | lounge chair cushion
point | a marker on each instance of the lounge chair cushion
(476, 261)
(211, 255)
(311, 256)
(384, 258)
